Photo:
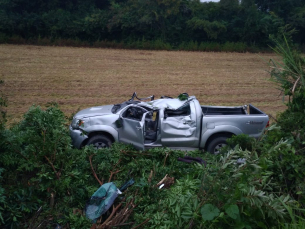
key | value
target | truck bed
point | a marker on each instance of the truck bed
(219, 110)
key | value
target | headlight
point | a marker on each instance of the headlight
(77, 123)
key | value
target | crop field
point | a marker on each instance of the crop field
(77, 78)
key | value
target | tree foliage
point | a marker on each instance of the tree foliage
(170, 21)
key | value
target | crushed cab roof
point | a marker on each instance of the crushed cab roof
(169, 103)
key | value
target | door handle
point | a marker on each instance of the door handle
(138, 127)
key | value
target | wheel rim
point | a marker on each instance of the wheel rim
(99, 145)
(218, 147)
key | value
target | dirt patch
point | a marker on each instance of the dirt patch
(84, 77)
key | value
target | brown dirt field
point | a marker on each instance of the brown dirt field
(77, 78)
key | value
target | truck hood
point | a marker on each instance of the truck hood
(94, 111)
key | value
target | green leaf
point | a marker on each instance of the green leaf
(232, 211)
(209, 212)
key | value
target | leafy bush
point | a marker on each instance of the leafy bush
(41, 168)
(290, 76)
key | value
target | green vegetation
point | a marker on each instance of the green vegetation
(229, 25)
(40, 170)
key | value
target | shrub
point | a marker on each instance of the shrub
(41, 168)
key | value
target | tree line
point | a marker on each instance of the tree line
(169, 21)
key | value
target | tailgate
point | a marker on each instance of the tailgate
(254, 123)
(254, 110)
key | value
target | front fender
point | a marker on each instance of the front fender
(218, 129)
(103, 128)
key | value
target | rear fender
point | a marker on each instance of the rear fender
(218, 129)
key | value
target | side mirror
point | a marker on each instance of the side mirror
(119, 123)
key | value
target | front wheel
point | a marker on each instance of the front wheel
(216, 144)
(99, 141)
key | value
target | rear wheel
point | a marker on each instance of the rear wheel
(99, 141)
(216, 144)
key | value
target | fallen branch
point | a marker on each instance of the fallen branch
(161, 181)
(123, 215)
(94, 174)
(113, 173)
(165, 159)
(123, 224)
(114, 209)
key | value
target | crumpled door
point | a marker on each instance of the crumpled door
(178, 131)
(178, 126)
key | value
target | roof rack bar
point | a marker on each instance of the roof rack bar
(134, 95)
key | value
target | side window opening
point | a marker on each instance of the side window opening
(120, 106)
(134, 113)
(185, 110)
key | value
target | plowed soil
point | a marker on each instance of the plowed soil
(78, 78)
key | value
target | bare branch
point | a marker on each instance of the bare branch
(94, 174)
(57, 175)
(141, 224)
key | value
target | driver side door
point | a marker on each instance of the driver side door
(133, 128)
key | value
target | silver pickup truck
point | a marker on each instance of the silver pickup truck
(178, 123)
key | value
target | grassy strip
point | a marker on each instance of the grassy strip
(239, 47)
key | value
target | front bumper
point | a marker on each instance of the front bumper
(77, 137)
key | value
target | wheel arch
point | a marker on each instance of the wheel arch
(216, 135)
(221, 130)
(91, 134)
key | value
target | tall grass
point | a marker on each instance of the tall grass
(289, 74)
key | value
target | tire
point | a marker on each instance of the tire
(99, 141)
(216, 144)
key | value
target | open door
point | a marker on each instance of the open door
(133, 128)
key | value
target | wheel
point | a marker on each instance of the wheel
(99, 141)
(216, 144)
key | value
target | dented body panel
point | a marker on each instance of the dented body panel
(166, 122)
